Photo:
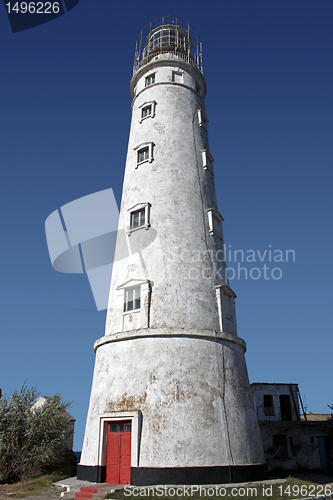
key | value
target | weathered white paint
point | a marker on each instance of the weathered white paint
(178, 359)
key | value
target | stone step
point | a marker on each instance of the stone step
(89, 490)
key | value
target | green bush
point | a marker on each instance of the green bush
(32, 440)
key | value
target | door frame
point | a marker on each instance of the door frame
(136, 420)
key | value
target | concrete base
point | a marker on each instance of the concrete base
(144, 476)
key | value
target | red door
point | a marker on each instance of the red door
(118, 455)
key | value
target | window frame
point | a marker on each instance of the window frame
(268, 409)
(147, 79)
(203, 120)
(214, 215)
(143, 155)
(153, 110)
(138, 208)
(280, 442)
(225, 304)
(207, 161)
(141, 222)
(177, 73)
(127, 291)
(145, 115)
(140, 148)
(139, 317)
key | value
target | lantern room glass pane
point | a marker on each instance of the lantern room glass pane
(168, 37)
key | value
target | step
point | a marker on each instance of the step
(88, 490)
(83, 495)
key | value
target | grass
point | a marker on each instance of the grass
(29, 487)
(289, 489)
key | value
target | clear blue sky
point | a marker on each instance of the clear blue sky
(64, 121)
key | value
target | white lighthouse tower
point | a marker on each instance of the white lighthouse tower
(170, 400)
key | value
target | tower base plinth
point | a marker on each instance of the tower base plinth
(147, 476)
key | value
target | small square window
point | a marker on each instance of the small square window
(138, 218)
(280, 443)
(146, 111)
(132, 299)
(143, 154)
(177, 77)
(150, 80)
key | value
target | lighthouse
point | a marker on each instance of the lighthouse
(170, 400)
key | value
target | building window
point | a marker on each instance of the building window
(120, 427)
(177, 77)
(144, 152)
(207, 161)
(268, 405)
(147, 110)
(132, 299)
(215, 223)
(285, 407)
(138, 218)
(280, 444)
(202, 120)
(150, 80)
(226, 309)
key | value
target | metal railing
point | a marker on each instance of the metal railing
(168, 37)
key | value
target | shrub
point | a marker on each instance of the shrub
(32, 440)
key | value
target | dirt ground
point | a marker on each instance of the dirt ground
(52, 493)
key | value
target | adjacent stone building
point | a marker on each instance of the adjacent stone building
(292, 439)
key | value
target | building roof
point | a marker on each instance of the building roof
(273, 383)
(41, 401)
(316, 417)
